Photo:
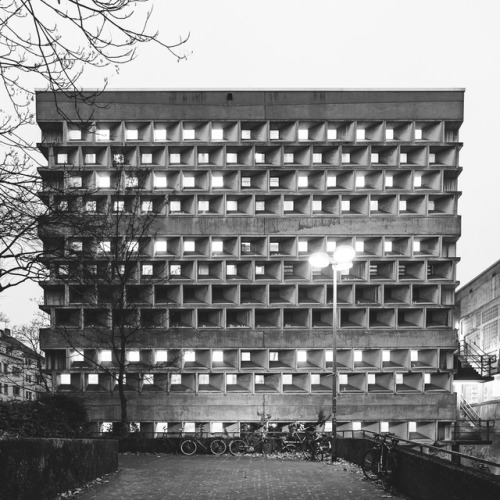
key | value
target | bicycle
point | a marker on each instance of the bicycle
(310, 444)
(189, 446)
(378, 462)
(251, 443)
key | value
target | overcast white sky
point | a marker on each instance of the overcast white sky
(342, 44)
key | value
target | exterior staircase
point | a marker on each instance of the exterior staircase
(473, 365)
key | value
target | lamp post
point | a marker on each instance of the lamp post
(340, 261)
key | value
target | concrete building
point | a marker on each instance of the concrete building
(19, 373)
(256, 181)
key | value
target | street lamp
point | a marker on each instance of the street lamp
(340, 261)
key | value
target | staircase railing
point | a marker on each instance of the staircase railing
(480, 361)
(469, 412)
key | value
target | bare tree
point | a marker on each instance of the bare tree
(52, 44)
(105, 263)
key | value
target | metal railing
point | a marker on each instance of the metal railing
(481, 362)
(469, 412)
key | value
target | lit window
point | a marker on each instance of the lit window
(232, 158)
(260, 206)
(133, 356)
(360, 134)
(231, 379)
(389, 134)
(160, 246)
(343, 379)
(76, 245)
(403, 158)
(386, 355)
(360, 181)
(175, 269)
(358, 355)
(399, 378)
(273, 356)
(131, 181)
(147, 206)
(260, 158)
(274, 182)
(288, 158)
(132, 134)
(332, 134)
(346, 205)
(93, 379)
(331, 181)
(161, 355)
(329, 355)
(231, 205)
(105, 356)
(287, 379)
(431, 205)
(203, 206)
(160, 134)
(90, 158)
(402, 205)
(148, 379)
(317, 157)
(303, 246)
(146, 158)
(389, 180)
(132, 246)
(160, 180)
(189, 246)
(189, 356)
(246, 247)
(274, 247)
(303, 181)
(189, 181)
(231, 270)
(217, 181)
(245, 356)
(103, 181)
(203, 269)
(118, 159)
(346, 157)
(301, 356)
(188, 134)
(203, 158)
(76, 357)
(317, 205)
(105, 246)
(417, 180)
(176, 379)
(217, 356)
(432, 157)
(103, 134)
(274, 134)
(356, 426)
(175, 206)
(374, 157)
(217, 246)
(74, 182)
(246, 182)
(217, 427)
(413, 355)
(303, 134)
(259, 379)
(371, 378)
(384, 426)
(360, 246)
(65, 379)
(374, 205)
(147, 270)
(217, 134)
(315, 379)
(246, 134)
(418, 133)
(412, 426)
(427, 378)
(119, 206)
(288, 205)
(416, 246)
(175, 158)
(260, 270)
(388, 246)
(75, 134)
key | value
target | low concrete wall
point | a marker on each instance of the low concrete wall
(41, 468)
(422, 477)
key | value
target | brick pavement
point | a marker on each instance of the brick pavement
(155, 477)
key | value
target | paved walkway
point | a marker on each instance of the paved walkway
(155, 477)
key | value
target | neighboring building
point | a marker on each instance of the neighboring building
(19, 373)
(256, 182)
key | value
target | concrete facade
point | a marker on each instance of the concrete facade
(256, 182)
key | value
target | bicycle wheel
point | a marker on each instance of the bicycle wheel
(370, 464)
(387, 474)
(188, 447)
(267, 447)
(218, 446)
(237, 447)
